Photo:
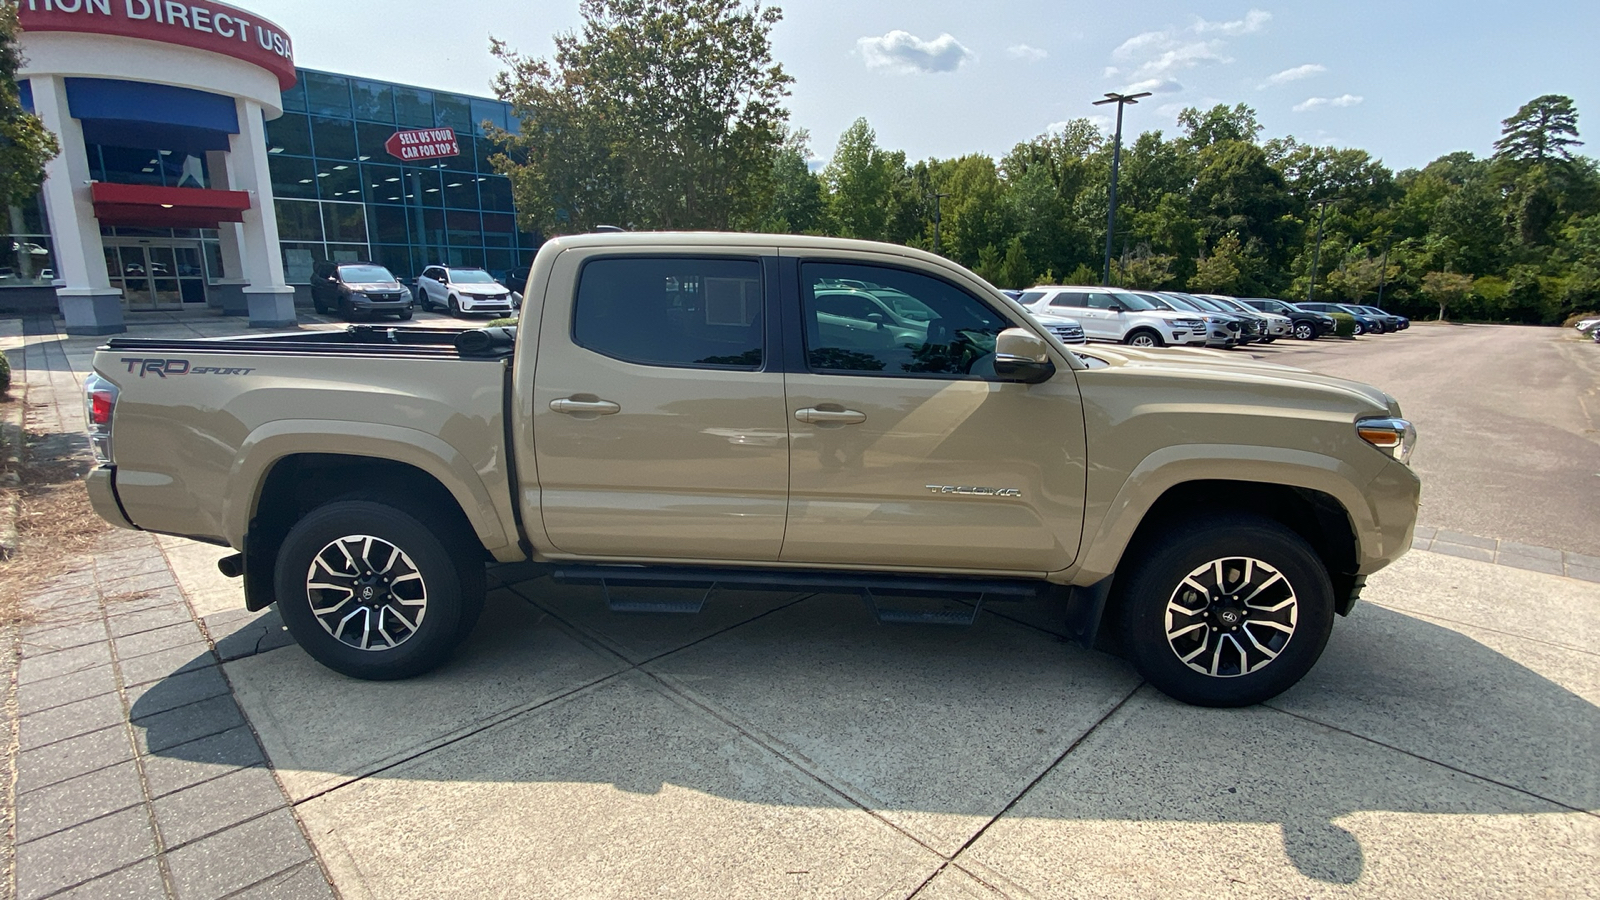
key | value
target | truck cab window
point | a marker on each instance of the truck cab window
(672, 311)
(886, 321)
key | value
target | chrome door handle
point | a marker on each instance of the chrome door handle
(579, 407)
(813, 416)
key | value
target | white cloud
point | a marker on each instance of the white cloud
(1180, 57)
(1161, 54)
(901, 51)
(1154, 86)
(1025, 52)
(1137, 44)
(1110, 72)
(1295, 74)
(1253, 21)
(1318, 102)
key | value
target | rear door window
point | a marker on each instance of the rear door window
(672, 311)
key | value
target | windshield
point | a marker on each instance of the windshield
(1133, 301)
(1160, 301)
(1182, 303)
(906, 305)
(1229, 305)
(365, 274)
(471, 276)
(1207, 304)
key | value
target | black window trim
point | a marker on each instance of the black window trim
(771, 351)
(795, 334)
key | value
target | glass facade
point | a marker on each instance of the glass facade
(25, 249)
(340, 196)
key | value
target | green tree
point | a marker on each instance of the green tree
(1544, 128)
(861, 178)
(662, 114)
(1224, 271)
(1237, 192)
(25, 144)
(799, 198)
(1219, 123)
(1446, 289)
(1015, 269)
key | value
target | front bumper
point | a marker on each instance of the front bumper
(367, 304)
(102, 488)
(474, 305)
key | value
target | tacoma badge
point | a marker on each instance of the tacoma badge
(976, 491)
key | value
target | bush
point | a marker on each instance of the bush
(5, 374)
(1344, 325)
(497, 323)
(1571, 322)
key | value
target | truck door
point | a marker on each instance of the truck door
(914, 454)
(658, 411)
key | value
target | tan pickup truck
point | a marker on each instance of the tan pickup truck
(772, 412)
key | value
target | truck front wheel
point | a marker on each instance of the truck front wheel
(370, 591)
(1226, 610)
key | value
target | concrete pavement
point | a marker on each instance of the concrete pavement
(786, 745)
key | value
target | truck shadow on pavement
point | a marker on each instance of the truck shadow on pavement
(936, 730)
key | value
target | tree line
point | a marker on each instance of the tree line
(668, 114)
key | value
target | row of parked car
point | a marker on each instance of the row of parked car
(1178, 319)
(363, 288)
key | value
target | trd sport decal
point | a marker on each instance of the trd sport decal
(165, 367)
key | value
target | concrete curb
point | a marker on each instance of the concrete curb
(13, 442)
(1501, 552)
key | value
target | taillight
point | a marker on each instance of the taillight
(99, 402)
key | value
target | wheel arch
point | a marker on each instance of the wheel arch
(296, 484)
(1315, 516)
(367, 444)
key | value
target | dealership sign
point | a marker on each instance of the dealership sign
(423, 143)
(215, 27)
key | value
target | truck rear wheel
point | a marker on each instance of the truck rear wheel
(371, 591)
(1226, 610)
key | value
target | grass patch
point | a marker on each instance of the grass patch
(55, 526)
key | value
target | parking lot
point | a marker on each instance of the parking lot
(784, 744)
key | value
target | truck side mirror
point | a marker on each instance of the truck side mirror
(1022, 356)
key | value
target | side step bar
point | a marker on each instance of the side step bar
(969, 594)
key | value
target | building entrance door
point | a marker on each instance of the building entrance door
(156, 273)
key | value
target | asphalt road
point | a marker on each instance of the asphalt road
(1508, 444)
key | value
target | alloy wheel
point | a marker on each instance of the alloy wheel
(1231, 616)
(1142, 340)
(1303, 331)
(366, 592)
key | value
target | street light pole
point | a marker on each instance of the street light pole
(1120, 100)
(1322, 213)
(937, 218)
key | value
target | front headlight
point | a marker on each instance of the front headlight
(1392, 435)
(1187, 323)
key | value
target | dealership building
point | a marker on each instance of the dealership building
(200, 168)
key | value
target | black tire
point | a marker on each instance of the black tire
(403, 315)
(423, 301)
(442, 576)
(1359, 330)
(1267, 557)
(1305, 331)
(455, 306)
(321, 307)
(346, 311)
(1142, 337)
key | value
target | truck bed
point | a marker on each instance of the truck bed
(414, 342)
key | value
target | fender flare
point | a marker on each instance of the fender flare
(1171, 466)
(273, 441)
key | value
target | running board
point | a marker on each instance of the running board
(967, 595)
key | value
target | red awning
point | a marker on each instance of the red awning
(166, 207)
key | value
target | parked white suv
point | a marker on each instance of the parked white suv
(462, 291)
(1109, 314)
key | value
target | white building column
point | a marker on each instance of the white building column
(88, 302)
(227, 293)
(270, 300)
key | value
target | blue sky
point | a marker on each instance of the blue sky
(1406, 81)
